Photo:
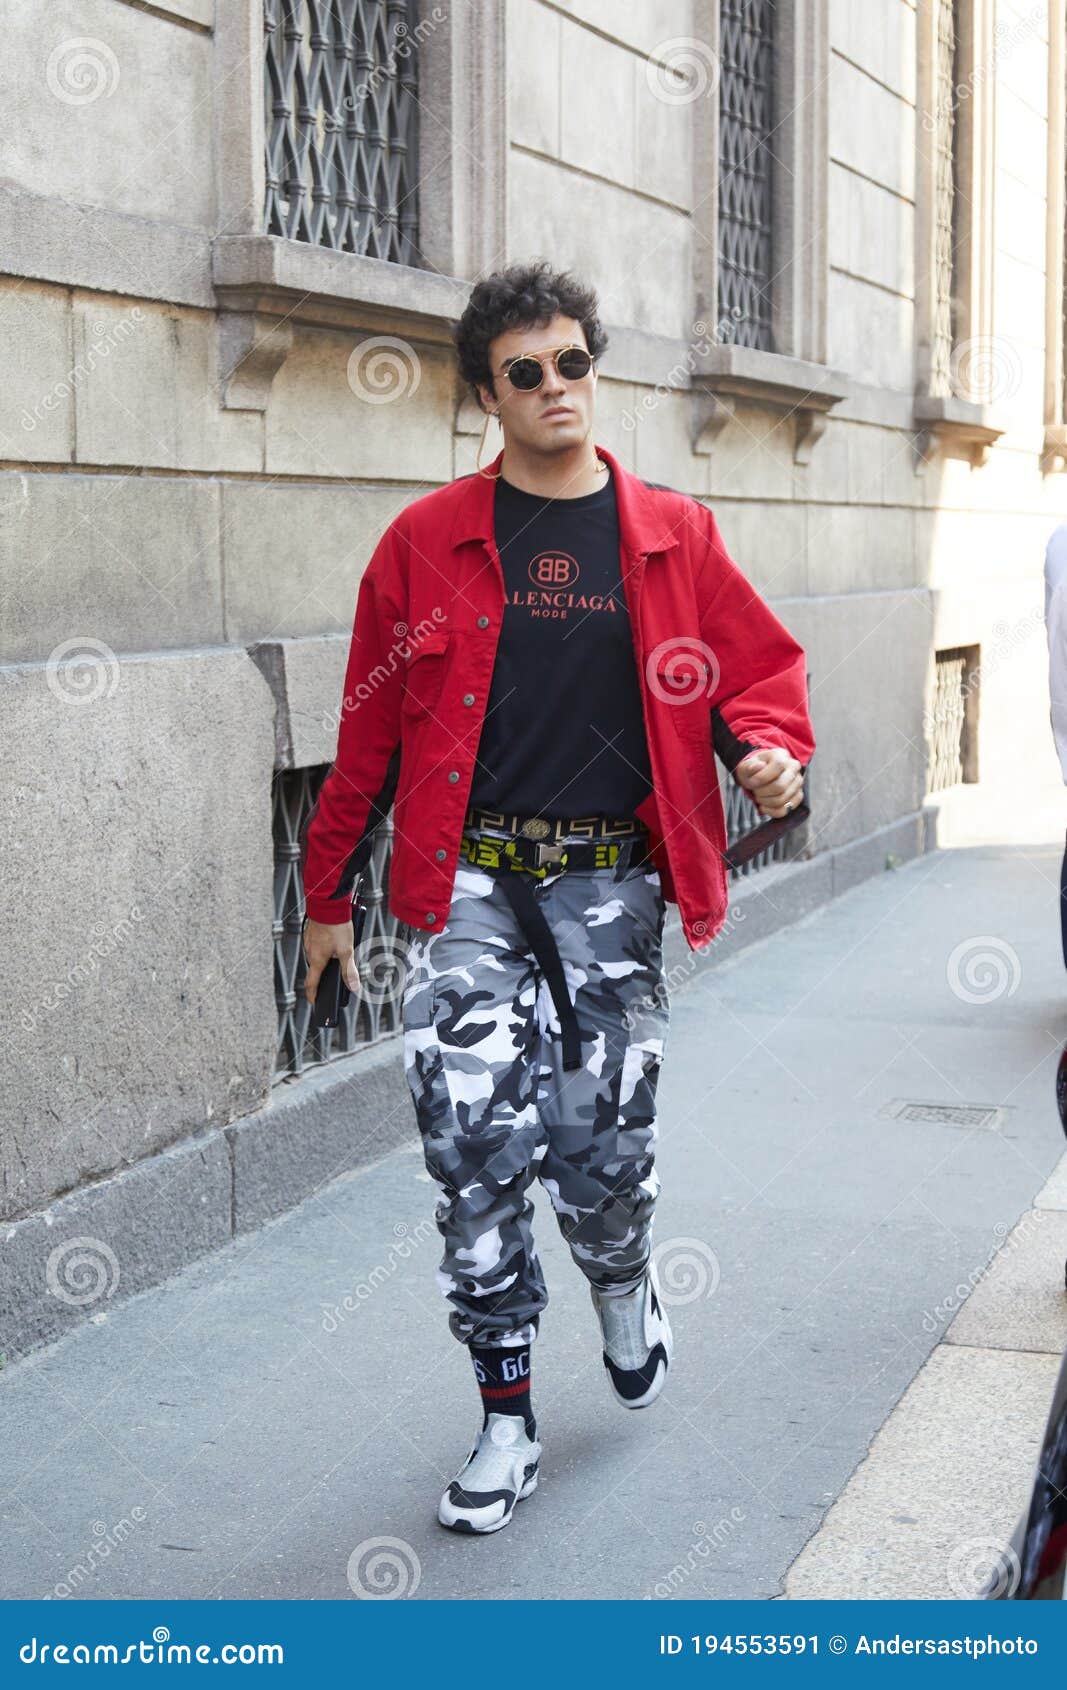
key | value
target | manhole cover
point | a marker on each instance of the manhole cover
(969, 1115)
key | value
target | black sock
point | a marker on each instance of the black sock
(503, 1377)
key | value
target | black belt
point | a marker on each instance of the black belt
(517, 862)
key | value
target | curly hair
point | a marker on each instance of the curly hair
(521, 296)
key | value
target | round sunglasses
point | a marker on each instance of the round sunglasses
(527, 373)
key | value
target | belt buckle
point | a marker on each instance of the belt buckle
(549, 854)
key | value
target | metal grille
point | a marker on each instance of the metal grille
(376, 1012)
(746, 122)
(948, 750)
(341, 125)
(742, 816)
(946, 198)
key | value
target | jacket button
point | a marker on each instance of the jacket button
(441, 855)
(483, 621)
(430, 916)
(453, 775)
(468, 698)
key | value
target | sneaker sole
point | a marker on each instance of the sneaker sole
(462, 1524)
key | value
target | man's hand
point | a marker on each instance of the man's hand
(321, 942)
(773, 780)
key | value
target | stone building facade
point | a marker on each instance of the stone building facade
(828, 242)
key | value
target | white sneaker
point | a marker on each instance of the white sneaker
(499, 1471)
(638, 1342)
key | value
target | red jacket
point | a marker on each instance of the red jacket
(427, 621)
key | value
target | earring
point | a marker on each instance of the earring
(490, 475)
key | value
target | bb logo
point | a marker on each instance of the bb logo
(554, 569)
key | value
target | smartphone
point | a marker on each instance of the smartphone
(333, 995)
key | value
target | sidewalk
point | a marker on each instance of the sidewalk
(251, 1428)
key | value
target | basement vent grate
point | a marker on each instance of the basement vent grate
(970, 1115)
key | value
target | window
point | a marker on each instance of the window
(953, 724)
(961, 373)
(340, 109)
(376, 1012)
(746, 132)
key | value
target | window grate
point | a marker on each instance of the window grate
(953, 726)
(341, 142)
(742, 816)
(946, 202)
(746, 123)
(376, 1012)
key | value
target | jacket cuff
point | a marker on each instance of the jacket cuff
(334, 912)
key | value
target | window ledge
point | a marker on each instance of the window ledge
(955, 428)
(1054, 455)
(808, 391)
(264, 284)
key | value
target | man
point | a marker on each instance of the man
(537, 652)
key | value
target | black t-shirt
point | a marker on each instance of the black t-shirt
(564, 733)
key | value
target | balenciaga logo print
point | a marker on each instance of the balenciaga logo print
(554, 588)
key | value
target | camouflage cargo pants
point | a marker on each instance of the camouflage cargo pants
(495, 1106)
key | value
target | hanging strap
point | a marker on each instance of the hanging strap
(531, 918)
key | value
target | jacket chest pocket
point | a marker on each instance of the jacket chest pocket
(425, 673)
(682, 683)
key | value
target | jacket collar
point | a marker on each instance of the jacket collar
(644, 526)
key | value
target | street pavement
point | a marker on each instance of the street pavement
(279, 1420)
